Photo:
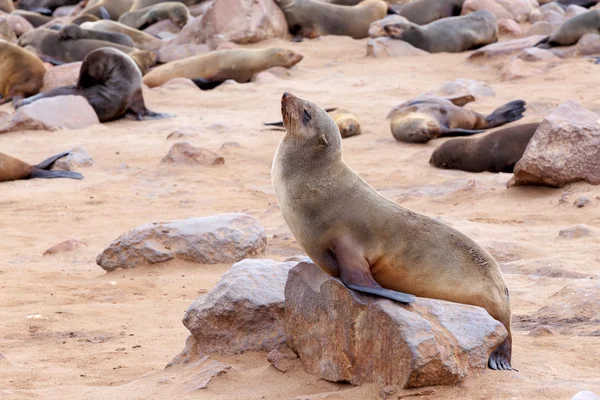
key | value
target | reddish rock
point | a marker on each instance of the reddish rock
(76, 158)
(462, 87)
(61, 75)
(564, 149)
(6, 31)
(493, 6)
(541, 28)
(505, 48)
(536, 54)
(64, 247)
(575, 232)
(588, 44)
(509, 27)
(387, 47)
(282, 360)
(574, 10)
(183, 153)
(18, 24)
(166, 25)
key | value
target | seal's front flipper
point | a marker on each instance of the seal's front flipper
(206, 84)
(507, 113)
(500, 358)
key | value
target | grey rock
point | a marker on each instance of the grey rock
(575, 232)
(505, 48)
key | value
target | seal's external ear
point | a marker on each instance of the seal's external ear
(323, 140)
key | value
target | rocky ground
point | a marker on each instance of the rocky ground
(70, 330)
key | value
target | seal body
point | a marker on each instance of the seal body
(144, 17)
(451, 35)
(419, 121)
(12, 169)
(141, 39)
(75, 32)
(373, 244)
(422, 12)
(313, 18)
(111, 82)
(21, 72)
(107, 9)
(217, 66)
(139, 4)
(573, 29)
(498, 151)
(34, 18)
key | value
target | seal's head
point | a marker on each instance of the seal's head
(446, 156)
(287, 58)
(415, 128)
(310, 126)
(401, 30)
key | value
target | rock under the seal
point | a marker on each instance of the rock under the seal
(244, 312)
(61, 75)
(564, 149)
(177, 52)
(505, 48)
(222, 238)
(462, 87)
(344, 336)
(186, 154)
(77, 157)
(388, 47)
(575, 232)
(62, 112)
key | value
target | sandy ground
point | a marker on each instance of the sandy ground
(109, 336)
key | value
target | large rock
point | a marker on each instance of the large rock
(505, 48)
(588, 44)
(6, 31)
(238, 21)
(62, 112)
(222, 238)
(343, 336)
(18, 24)
(536, 54)
(518, 10)
(564, 149)
(377, 28)
(61, 75)
(244, 312)
(492, 6)
(183, 153)
(387, 47)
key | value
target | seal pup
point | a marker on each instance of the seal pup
(213, 68)
(419, 121)
(141, 39)
(572, 29)
(497, 151)
(75, 32)
(347, 123)
(21, 72)
(314, 18)
(143, 18)
(12, 169)
(374, 245)
(111, 82)
(451, 35)
(422, 12)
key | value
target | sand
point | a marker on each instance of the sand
(94, 335)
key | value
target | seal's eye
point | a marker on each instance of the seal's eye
(444, 165)
(305, 117)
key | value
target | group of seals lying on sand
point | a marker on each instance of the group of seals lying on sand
(572, 30)
(374, 245)
(111, 82)
(420, 120)
(498, 151)
(211, 69)
(348, 124)
(143, 18)
(21, 73)
(452, 35)
(12, 169)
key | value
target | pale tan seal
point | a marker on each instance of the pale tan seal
(13, 169)
(373, 244)
(144, 17)
(217, 66)
(21, 73)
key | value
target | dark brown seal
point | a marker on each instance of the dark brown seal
(44, 6)
(111, 82)
(143, 18)
(374, 245)
(12, 169)
(21, 73)
(419, 121)
(452, 35)
(497, 151)
(574, 28)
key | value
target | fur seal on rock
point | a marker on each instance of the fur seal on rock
(12, 169)
(347, 123)
(419, 121)
(21, 72)
(498, 151)
(573, 29)
(111, 82)
(213, 68)
(75, 32)
(452, 35)
(141, 39)
(314, 18)
(374, 245)
(143, 18)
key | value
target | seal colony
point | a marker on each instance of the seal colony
(374, 245)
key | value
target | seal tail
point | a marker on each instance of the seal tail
(507, 113)
(206, 84)
(45, 174)
(49, 162)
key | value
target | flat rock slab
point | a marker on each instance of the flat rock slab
(243, 312)
(222, 238)
(343, 336)
(505, 48)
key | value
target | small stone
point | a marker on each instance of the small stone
(581, 201)
(64, 247)
(383, 47)
(78, 157)
(183, 132)
(280, 360)
(574, 10)
(184, 153)
(230, 145)
(575, 232)
(542, 330)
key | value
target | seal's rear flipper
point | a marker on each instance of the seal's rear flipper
(447, 132)
(507, 113)
(382, 292)
(500, 358)
(206, 84)
(145, 115)
(47, 163)
(45, 174)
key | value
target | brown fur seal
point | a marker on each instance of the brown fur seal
(218, 66)
(21, 73)
(7, 6)
(498, 151)
(313, 18)
(419, 121)
(143, 18)
(422, 12)
(107, 9)
(35, 19)
(48, 43)
(75, 32)
(141, 39)
(347, 123)
(452, 35)
(111, 82)
(12, 169)
(374, 245)
(574, 28)
(45, 7)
